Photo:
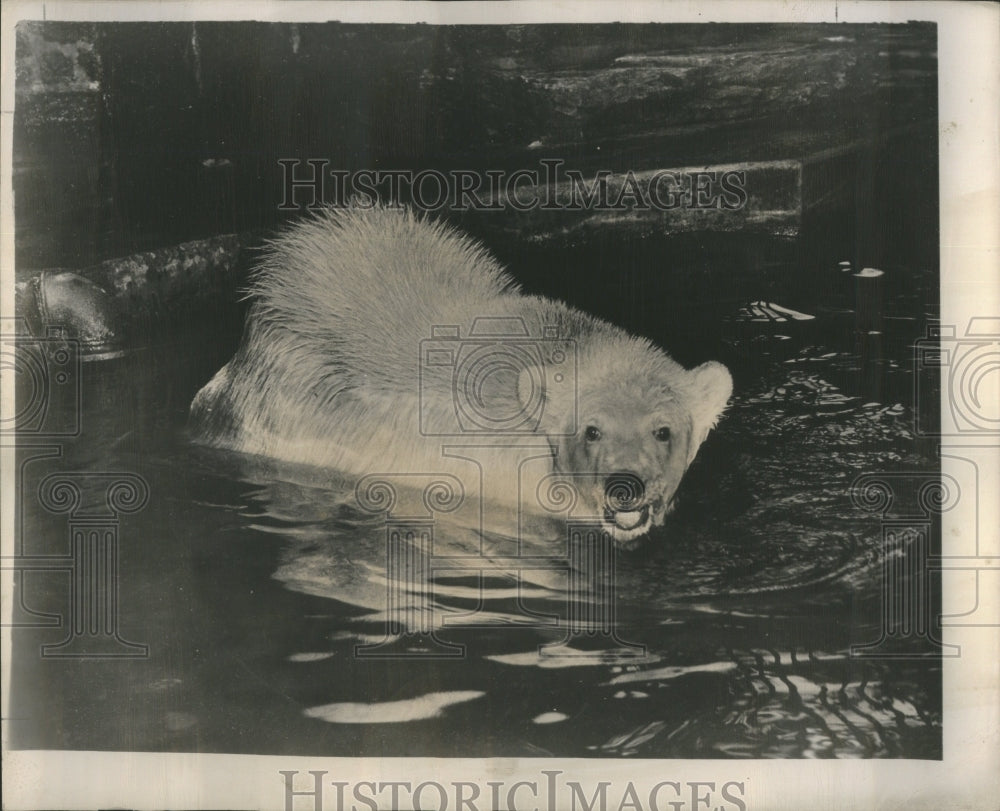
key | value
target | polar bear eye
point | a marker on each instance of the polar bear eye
(593, 433)
(662, 434)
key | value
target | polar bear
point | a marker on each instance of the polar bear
(377, 336)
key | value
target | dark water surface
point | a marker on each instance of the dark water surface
(733, 628)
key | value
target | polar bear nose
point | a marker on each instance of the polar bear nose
(624, 491)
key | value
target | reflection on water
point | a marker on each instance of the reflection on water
(283, 615)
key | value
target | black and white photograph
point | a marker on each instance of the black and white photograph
(500, 406)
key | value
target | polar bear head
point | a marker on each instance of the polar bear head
(634, 426)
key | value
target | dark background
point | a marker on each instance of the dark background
(136, 135)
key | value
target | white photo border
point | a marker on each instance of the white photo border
(966, 777)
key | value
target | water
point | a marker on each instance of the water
(733, 624)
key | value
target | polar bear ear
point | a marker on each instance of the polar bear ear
(710, 386)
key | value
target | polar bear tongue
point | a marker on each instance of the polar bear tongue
(629, 519)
